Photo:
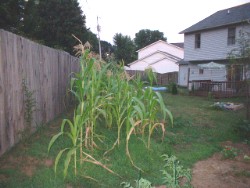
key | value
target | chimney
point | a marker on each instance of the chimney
(228, 11)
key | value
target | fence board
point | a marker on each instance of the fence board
(46, 71)
(2, 101)
(162, 79)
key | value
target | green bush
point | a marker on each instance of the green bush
(173, 88)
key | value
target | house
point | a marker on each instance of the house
(160, 56)
(211, 40)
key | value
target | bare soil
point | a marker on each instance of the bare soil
(216, 172)
(27, 165)
(223, 173)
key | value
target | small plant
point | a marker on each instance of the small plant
(141, 183)
(29, 105)
(246, 141)
(181, 122)
(174, 173)
(246, 157)
(229, 152)
(210, 96)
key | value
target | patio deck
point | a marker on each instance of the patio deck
(218, 89)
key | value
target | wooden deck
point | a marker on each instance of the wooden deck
(218, 89)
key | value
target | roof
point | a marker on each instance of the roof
(182, 62)
(167, 56)
(233, 15)
(159, 42)
(179, 44)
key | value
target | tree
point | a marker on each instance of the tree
(145, 37)
(11, 13)
(107, 49)
(124, 48)
(58, 20)
(29, 25)
(50, 22)
(240, 56)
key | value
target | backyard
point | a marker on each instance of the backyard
(197, 138)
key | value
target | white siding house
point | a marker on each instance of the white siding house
(183, 73)
(212, 39)
(160, 56)
(213, 44)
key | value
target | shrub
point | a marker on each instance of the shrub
(173, 88)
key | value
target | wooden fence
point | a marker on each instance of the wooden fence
(219, 89)
(46, 72)
(162, 79)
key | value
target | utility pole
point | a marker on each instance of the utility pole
(99, 40)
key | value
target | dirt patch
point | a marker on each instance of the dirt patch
(218, 172)
(27, 165)
(3, 177)
(48, 162)
(224, 173)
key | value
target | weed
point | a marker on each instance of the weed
(29, 108)
(229, 152)
(174, 173)
(246, 158)
(181, 121)
(243, 173)
(141, 183)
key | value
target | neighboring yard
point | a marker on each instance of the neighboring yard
(199, 132)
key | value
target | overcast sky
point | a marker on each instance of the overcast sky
(168, 16)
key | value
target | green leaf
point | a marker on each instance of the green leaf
(53, 139)
(58, 157)
(67, 160)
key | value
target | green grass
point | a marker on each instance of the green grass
(197, 134)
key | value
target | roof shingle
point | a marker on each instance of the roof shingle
(233, 15)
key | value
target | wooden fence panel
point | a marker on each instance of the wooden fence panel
(162, 79)
(47, 72)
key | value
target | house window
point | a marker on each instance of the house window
(201, 71)
(231, 36)
(197, 43)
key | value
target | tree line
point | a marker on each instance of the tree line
(52, 23)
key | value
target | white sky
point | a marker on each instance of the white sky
(168, 16)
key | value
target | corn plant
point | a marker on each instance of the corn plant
(86, 86)
(105, 92)
(73, 135)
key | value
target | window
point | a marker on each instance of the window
(231, 36)
(197, 40)
(201, 71)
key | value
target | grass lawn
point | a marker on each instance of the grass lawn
(197, 134)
